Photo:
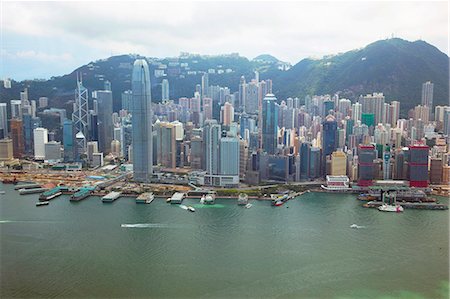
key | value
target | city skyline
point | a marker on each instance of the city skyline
(202, 27)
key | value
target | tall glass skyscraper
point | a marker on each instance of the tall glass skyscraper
(142, 122)
(329, 135)
(270, 123)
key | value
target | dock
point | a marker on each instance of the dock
(112, 196)
(147, 198)
(411, 205)
(177, 198)
(27, 186)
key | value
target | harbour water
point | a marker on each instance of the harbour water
(304, 249)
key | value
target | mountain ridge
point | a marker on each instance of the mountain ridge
(394, 66)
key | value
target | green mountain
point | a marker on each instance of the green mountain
(395, 67)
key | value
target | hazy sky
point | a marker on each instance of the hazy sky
(43, 39)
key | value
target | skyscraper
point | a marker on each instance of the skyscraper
(3, 121)
(418, 166)
(17, 137)
(366, 156)
(229, 156)
(211, 140)
(165, 90)
(329, 141)
(373, 104)
(227, 114)
(269, 124)
(142, 122)
(427, 95)
(40, 139)
(80, 114)
(68, 141)
(104, 120)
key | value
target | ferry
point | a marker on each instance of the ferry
(80, 194)
(278, 200)
(390, 208)
(242, 199)
(145, 198)
(338, 183)
(47, 195)
(207, 199)
(42, 203)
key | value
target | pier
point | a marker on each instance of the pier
(177, 198)
(410, 205)
(32, 191)
(112, 196)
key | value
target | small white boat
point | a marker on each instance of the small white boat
(356, 226)
(207, 199)
(183, 207)
(168, 200)
(2, 192)
(248, 206)
(390, 208)
(42, 203)
(190, 209)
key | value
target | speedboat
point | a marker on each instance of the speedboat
(190, 209)
(248, 206)
(390, 208)
(42, 203)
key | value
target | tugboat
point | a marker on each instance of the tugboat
(242, 199)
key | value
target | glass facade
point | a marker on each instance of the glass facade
(142, 122)
(270, 123)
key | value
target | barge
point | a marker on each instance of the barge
(50, 194)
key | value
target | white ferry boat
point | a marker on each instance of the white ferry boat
(242, 199)
(337, 183)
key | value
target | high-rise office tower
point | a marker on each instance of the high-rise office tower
(17, 137)
(427, 95)
(329, 140)
(80, 114)
(69, 141)
(165, 90)
(418, 166)
(142, 122)
(229, 156)
(40, 139)
(29, 124)
(344, 107)
(127, 100)
(104, 120)
(211, 141)
(366, 156)
(269, 124)
(166, 145)
(3, 121)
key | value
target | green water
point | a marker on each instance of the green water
(304, 251)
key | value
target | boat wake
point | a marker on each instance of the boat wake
(145, 225)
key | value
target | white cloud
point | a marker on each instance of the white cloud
(290, 31)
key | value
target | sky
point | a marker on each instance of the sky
(44, 39)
